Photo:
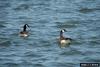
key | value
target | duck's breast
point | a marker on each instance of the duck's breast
(65, 41)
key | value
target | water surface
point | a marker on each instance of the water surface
(81, 18)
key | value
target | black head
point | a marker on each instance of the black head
(63, 30)
(26, 25)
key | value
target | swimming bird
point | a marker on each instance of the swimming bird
(63, 40)
(24, 32)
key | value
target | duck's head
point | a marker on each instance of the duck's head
(63, 30)
(26, 25)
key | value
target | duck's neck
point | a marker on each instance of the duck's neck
(61, 34)
(24, 28)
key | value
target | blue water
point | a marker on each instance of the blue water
(81, 19)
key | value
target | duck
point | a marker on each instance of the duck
(64, 40)
(24, 32)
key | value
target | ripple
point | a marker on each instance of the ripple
(2, 26)
(22, 7)
(71, 53)
(10, 65)
(39, 65)
(67, 24)
(88, 10)
(89, 59)
(32, 54)
(4, 4)
(5, 43)
(62, 64)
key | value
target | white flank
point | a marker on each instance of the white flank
(23, 35)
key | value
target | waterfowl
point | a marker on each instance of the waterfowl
(63, 40)
(24, 32)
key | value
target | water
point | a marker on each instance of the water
(81, 18)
